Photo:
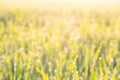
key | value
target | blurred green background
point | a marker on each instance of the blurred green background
(59, 40)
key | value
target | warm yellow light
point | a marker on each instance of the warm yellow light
(38, 3)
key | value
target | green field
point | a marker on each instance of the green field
(59, 45)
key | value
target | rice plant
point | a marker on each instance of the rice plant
(59, 45)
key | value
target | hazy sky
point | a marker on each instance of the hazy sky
(58, 1)
(36, 3)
